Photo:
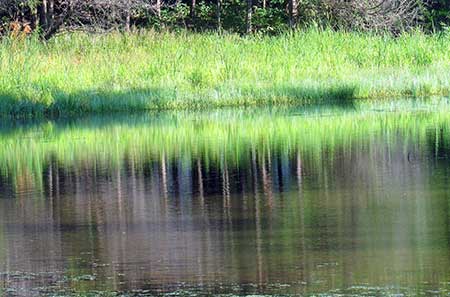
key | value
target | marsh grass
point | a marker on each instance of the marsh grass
(80, 73)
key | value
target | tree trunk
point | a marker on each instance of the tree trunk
(219, 21)
(158, 8)
(128, 22)
(128, 17)
(43, 15)
(249, 16)
(34, 18)
(46, 12)
(293, 13)
(193, 3)
(50, 13)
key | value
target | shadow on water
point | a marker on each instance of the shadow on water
(52, 102)
(83, 121)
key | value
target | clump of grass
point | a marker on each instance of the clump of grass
(79, 73)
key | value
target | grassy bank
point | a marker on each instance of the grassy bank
(76, 73)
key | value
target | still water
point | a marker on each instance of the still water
(344, 200)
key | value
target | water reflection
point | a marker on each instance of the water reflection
(360, 210)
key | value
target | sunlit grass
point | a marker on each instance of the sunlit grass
(76, 73)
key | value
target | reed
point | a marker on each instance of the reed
(80, 73)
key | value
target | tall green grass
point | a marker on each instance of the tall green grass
(76, 73)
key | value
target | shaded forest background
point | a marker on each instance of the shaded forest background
(48, 17)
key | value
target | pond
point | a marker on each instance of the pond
(335, 200)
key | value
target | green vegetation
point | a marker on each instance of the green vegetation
(81, 73)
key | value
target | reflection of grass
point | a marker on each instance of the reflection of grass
(213, 137)
(80, 73)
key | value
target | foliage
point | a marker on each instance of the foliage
(50, 16)
(439, 14)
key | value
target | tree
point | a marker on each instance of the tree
(376, 15)
(249, 16)
(293, 13)
(192, 11)
(218, 15)
(51, 16)
(439, 14)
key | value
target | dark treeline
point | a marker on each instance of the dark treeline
(244, 16)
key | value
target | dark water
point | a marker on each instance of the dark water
(238, 203)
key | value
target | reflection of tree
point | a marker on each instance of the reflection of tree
(438, 146)
(438, 141)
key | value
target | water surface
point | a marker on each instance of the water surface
(343, 200)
